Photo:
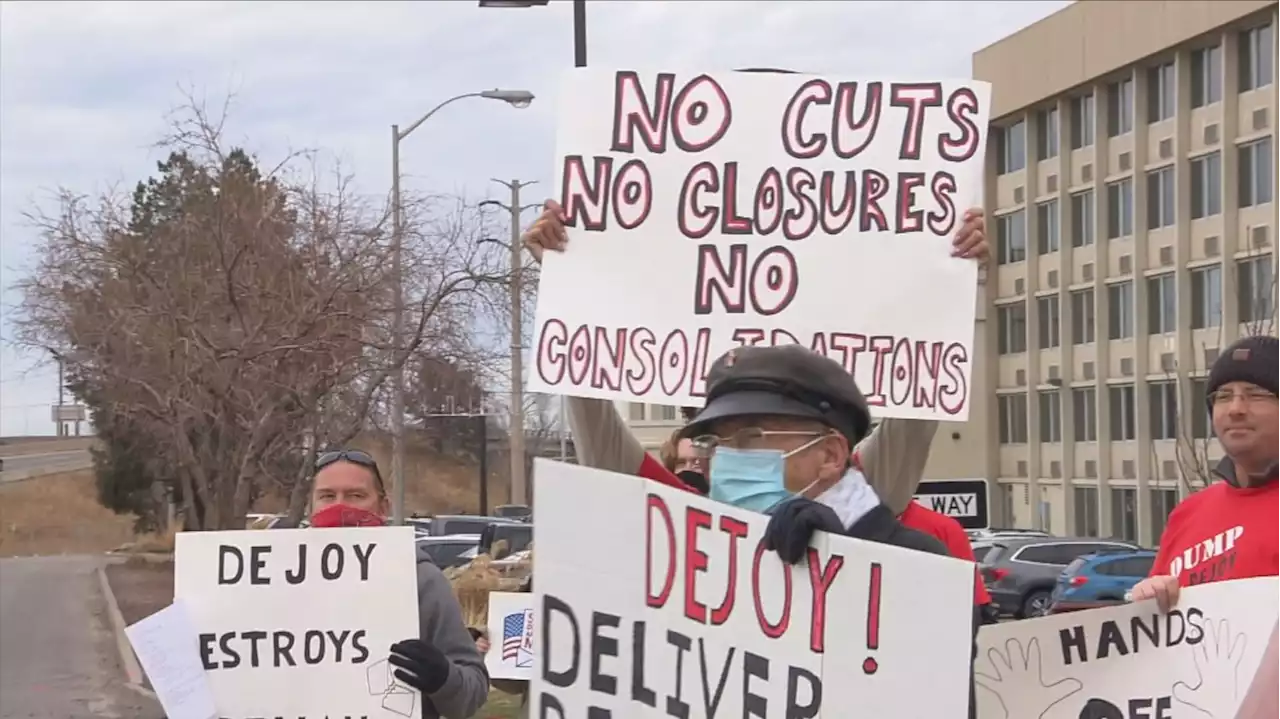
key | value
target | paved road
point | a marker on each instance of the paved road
(29, 465)
(58, 657)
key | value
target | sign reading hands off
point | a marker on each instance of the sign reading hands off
(668, 605)
(1209, 658)
(299, 623)
(709, 211)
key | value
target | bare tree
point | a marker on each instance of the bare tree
(241, 318)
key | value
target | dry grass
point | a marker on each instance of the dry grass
(22, 446)
(58, 514)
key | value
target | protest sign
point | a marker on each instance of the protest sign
(708, 211)
(299, 622)
(657, 603)
(1198, 661)
(512, 636)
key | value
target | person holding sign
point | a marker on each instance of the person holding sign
(442, 661)
(891, 458)
(1229, 529)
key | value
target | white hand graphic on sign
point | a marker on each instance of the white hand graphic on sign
(1019, 684)
(1217, 658)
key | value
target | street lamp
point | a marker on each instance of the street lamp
(519, 493)
(579, 22)
(514, 98)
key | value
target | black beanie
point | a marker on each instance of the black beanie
(1250, 359)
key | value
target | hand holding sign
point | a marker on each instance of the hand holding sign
(1217, 660)
(1019, 682)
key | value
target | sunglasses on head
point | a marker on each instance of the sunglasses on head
(354, 456)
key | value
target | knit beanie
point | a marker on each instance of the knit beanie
(1250, 359)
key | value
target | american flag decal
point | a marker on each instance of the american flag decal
(517, 635)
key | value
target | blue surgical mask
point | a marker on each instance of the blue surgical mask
(749, 479)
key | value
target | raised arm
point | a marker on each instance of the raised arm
(893, 456)
(600, 438)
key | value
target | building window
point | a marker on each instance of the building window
(1162, 89)
(1050, 415)
(1162, 503)
(1011, 321)
(1120, 399)
(1162, 305)
(1120, 108)
(1047, 227)
(1160, 198)
(1047, 134)
(1255, 289)
(1163, 405)
(1082, 121)
(1206, 76)
(1255, 173)
(1206, 186)
(1201, 415)
(635, 412)
(1011, 237)
(1082, 217)
(1084, 410)
(1013, 418)
(666, 413)
(1085, 500)
(1120, 209)
(1082, 317)
(1257, 63)
(1011, 153)
(1206, 297)
(1120, 310)
(1048, 325)
(1124, 513)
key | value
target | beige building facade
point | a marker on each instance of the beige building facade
(1131, 207)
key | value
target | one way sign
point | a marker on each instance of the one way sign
(964, 500)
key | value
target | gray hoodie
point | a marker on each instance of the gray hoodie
(892, 457)
(440, 624)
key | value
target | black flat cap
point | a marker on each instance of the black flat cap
(787, 381)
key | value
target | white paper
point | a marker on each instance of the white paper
(167, 646)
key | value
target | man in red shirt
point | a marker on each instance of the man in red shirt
(1229, 529)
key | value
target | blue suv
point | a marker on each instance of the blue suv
(1100, 579)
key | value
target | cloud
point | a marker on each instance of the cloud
(85, 87)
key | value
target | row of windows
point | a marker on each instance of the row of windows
(1086, 517)
(1161, 416)
(656, 413)
(1256, 69)
(1256, 186)
(1255, 302)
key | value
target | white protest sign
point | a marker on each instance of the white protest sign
(666, 604)
(512, 636)
(168, 648)
(1198, 661)
(709, 211)
(299, 622)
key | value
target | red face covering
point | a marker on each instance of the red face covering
(341, 515)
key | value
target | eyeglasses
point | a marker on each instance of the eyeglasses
(354, 456)
(1250, 396)
(745, 438)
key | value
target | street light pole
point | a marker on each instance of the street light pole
(579, 22)
(515, 98)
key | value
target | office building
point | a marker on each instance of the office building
(1131, 207)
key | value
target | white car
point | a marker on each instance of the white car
(447, 551)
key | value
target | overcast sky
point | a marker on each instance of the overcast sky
(85, 87)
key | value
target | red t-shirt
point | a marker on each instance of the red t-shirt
(952, 536)
(1220, 533)
(652, 469)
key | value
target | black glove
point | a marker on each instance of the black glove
(793, 524)
(420, 665)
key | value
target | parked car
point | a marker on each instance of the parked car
(993, 532)
(421, 525)
(450, 550)
(522, 512)
(517, 535)
(1020, 572)
(980, 549)
(1100, 579)
(446, 524)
